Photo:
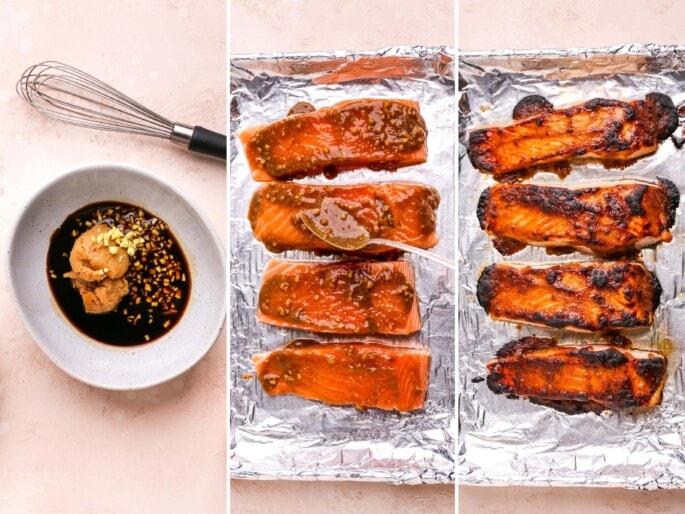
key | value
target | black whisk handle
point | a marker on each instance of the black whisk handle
(208, 142)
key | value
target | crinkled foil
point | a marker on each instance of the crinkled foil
(290, 437)
(506, 441)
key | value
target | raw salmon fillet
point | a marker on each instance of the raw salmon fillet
(606, 219)
(359, 374)
(576, 379)
(585, 297)
(397, 211)
(340, 297)
(372, 133)
(610, 130)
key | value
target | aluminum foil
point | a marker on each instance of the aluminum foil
(290, 437)
(505, 441)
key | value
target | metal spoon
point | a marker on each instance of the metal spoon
(336, 227)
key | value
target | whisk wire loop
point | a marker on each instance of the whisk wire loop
(69, 95)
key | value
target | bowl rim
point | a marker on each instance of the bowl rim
(213, 332)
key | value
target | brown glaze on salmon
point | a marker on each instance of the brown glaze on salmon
(372, 133)
(340, 297)
(585, 297)
(397, 211)
(578, 378)
(359, 374)
(605, 220)
(610, 130)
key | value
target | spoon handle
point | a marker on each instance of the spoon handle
(414, 250)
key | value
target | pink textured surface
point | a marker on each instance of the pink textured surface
(314, 25)
(67, 447)
(499, 25)
(308, 26)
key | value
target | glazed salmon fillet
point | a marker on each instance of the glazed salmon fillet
(578, 378)
(610, 130)
(340, 297)
(359, 374)
(401, 212)
(371, 133)
(585, 297)
(604, 220)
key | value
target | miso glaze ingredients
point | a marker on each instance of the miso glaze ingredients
(156, 275)
(97, 270)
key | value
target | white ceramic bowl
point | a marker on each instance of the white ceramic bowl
(86, 359)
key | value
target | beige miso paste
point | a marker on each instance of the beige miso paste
(155, 284)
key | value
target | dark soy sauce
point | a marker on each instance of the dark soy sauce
(158, 277)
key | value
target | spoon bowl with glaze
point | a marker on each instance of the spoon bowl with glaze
(336, 227)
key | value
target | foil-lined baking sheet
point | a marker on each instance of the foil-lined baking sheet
(512, 441)
(290, 437)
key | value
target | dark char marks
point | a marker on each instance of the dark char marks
(479, 155)
(634, 201)
(652, 369)
(609, 358)
(667, 114)
(524, 345)
(482, 209)
(530, 106)
(485, 289)
(656, 299)
(673, 196)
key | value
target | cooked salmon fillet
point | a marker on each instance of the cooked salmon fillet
(610, 130)
(585, 297)
(605, 220)
(578, 378)
(359, 374)
(340, 297)
(397, 211)
(371, 133)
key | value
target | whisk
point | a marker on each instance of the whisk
(67, 94)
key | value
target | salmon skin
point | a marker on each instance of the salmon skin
(397, 211)
(340, 297)
(373, 133)
(605, 220)
(359, 374)
(585, 297)
(610, 130)
(578, 379)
